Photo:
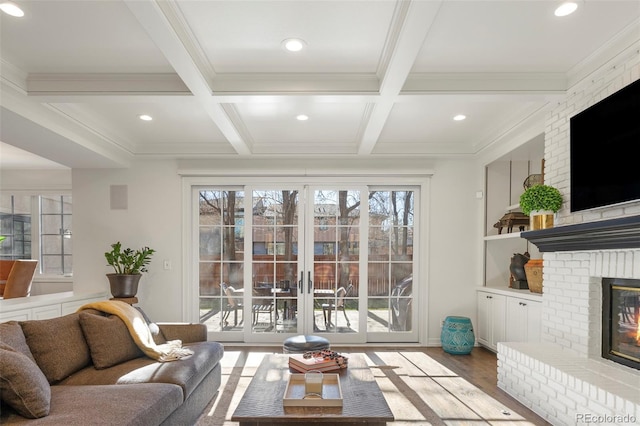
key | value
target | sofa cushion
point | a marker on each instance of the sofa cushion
(11, 335)
(22, 384)
(109, 340)
(186, 372)
(131, 405)
(57, 345)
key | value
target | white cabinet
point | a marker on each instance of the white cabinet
(491, 319)
(16, 315)
(46, 312)
(524, 318)
(507, 315)
(45, 306)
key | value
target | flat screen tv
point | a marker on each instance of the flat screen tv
(604, 139)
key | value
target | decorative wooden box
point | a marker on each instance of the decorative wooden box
(294, 394)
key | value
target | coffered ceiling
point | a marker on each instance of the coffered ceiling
(375, 78)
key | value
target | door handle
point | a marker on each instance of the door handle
(301, 282)
(309, 283)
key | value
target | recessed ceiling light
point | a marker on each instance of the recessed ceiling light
(293, 44)
(12, 9)
(145, 117)
(459, 117)
(566, 8)
(302, 117)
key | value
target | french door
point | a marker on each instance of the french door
(326, 259)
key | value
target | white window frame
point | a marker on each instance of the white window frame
(35, 230)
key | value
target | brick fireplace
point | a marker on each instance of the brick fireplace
(565, 379)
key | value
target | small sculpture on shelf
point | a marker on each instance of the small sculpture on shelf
(511, 219)
(518, 276)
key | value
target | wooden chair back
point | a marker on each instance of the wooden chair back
(20, 279)
(5, 268)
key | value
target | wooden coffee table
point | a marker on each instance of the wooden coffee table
(363, 402)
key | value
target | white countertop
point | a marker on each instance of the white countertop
(47, 299)
(512, 292)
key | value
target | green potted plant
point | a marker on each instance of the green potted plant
(128, 265)
(540, 202)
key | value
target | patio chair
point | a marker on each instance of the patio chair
(233, 305)
(262, 303)
(327, 308)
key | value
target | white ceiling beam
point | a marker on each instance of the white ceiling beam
(33, 119)
(412, 22)
(160, 29)
(496, 82)
(339, 87)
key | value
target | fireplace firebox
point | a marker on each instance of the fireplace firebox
(621, 321)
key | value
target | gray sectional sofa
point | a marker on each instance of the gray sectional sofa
(85, 369)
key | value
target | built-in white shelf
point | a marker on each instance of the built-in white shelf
(506, 236)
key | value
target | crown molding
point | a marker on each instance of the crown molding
(13, 76)
(100, 84)
(628, 38)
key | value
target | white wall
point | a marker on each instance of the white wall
(453, 255)
(154, 218)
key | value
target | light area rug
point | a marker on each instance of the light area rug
(418, 389)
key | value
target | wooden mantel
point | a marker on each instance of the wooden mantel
(620, 233)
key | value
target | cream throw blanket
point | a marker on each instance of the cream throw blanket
(137, 326)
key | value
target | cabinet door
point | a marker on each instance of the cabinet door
(19, 315)
(46, 312)
(523, 320)
(483, 326)
(498, 319)
(491, 319)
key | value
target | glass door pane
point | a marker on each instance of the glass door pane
(390, 262)
(336, 247)
(274, 261)
(221, 259)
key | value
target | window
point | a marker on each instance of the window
(38, 227)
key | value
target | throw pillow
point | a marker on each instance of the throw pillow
(11, 335)
(57, 345)
(109, 340)
(22, 384)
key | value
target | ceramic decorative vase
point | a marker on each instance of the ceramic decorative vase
(457, 335)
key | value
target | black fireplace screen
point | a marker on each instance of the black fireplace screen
(621, 321)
